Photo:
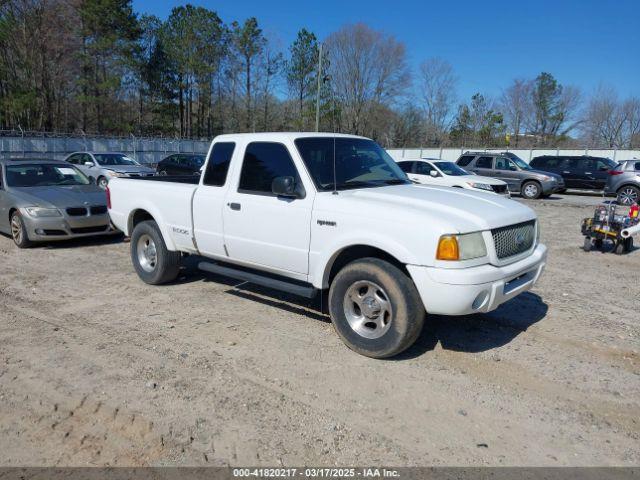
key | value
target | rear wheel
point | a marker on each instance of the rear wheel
(628, 195)
(531, 190)
(19, 231)
(153, 262)
(375, 308)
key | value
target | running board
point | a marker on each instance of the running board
(301, 290)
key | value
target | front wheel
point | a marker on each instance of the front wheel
(531, 190)
(153, 262)
(375, 308)
(19, 231)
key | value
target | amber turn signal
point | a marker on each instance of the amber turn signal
(448, 248)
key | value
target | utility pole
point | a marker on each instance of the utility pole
(318, 92)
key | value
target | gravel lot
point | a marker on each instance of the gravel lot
(97, 368)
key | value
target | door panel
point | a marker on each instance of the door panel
(261, 228)
(506, 171)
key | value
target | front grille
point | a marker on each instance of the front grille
(98, 229)
(98, 210)
(54, 232)
(77, 211)
(514, 239)
(499, 188)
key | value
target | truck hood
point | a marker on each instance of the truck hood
(449, 210)
(61, 197)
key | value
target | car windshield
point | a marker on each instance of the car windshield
(43, 175)
(112, 159)
(518, 161)
(450, 168)
(359, 163)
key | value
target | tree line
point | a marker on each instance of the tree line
(96, 66)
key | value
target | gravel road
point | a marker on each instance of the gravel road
(97, 368)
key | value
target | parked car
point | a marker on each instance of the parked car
(45, 200)
(447, 174)
(624, 182)
(579, 172)
(103, 166)
(518, 175)
(181, 164)
(310, 212)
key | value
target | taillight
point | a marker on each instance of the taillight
(108, 198)
(615, 172)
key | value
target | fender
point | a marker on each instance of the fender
(157, 216)
(320, 262)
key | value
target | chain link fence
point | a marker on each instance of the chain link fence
(23, 144)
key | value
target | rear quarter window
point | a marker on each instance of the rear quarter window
(484, 162)
(465, 160)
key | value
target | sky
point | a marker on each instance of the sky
(488, 42)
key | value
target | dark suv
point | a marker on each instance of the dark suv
(581, 172)
(181, 164)
(510, 168)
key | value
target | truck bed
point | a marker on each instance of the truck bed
(192, 179)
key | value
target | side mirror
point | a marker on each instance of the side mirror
(285, 187)
(434, 174)
(92, 180)
(88, 164)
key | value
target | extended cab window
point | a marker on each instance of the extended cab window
(424, 168)
(264, 161)
(218, 166)
(484, 162)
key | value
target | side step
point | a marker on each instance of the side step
(300, 289)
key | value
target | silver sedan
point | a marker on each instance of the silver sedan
(43, 200)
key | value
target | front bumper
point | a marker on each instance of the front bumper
(66, 227)
(481, 289)
(552, 186)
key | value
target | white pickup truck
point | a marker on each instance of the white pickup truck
(308, 212)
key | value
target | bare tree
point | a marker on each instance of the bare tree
(515, 104)
(438, 90)
(604, 118)
(367, 68)
(631, 107)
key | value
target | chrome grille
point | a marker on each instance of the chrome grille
(514, 239)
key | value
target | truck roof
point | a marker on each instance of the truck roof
(265, 136)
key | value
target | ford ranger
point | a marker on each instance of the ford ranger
(329, 213)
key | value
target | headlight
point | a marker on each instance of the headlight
(111, 173)
(43, 212)
(461, 247)
(481, 186)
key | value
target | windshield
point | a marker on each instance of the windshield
(44, 176)
(358, 163)
(450, 168)
(518, 161)
(110, 159)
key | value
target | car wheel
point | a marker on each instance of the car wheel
(628, 195)
(19, 232)
(153, 262)
(531, 190)
(102, 182)
(162, 173)
(375, 308)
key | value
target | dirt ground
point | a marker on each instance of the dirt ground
(97, 368)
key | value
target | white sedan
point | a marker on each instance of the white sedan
(448, 174)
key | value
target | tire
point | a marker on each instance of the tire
(153, 263)
(620, 248)
(162, 173)
(19, 232)
(102, 182)
(628, 195)
(389, 301)
(531, 190)
(587, 245)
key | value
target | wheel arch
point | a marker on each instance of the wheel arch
(350, 253)
(142, 214)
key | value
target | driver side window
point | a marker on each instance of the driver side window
(504, 164)
(423, 168)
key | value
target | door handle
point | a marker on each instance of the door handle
(565, 171)
(234, 206)
(588, 173)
